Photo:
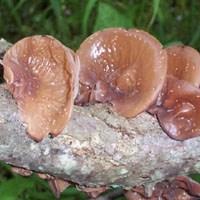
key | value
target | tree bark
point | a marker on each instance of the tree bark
(98, 147)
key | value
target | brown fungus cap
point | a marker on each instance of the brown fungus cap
(184, 63)
(40, 74)
(178, 110)
(124, 68)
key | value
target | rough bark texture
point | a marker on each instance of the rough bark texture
(98, 147)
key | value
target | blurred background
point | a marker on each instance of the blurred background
(71, 21)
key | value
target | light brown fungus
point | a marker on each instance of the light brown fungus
(126, 68)
(40, 74)
(184, 63)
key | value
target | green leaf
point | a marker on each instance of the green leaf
(10, 189)
(110, 17)
(195, 36)
(73, 193)
(88, 9)
(56, 8)
(155, 11)
(195, 177)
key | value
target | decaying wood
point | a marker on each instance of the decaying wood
(98, 147)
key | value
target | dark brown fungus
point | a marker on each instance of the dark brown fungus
(178, 110)
(184, 63)
(177, 104)
(186, 183)
(124, 68)
(180, 188)
(41, 74)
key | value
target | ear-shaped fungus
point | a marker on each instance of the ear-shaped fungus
(124, 68)
(186, 183)
(180, 188)
(178, 112)
(41, 75)
(184, 63)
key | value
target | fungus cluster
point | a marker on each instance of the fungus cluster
(128, 69)
(178, 104)
(180, 188)
(178, 113)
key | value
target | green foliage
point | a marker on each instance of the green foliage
(111, 17)
(15, 187)
(155, 8)
(18, 185)
(88, 10)
(71, 21)
(195, 177)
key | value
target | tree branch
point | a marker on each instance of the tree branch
(98, 147)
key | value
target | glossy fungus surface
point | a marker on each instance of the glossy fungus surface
(178, 112)
(40, 74)
(184, 63)
(124, 68)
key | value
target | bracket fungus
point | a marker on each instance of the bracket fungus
(178, 110)
(177, 106)
(126, 68)
(57, 185)
(184, 63)
(180, 188)
(41, 74)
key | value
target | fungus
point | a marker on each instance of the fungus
(177, 104)
(184, 63)
(124, 68)
(186, 183)
(22, 171)
(178, 112)
(57, 185)
(41, 75)
(180, 188)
